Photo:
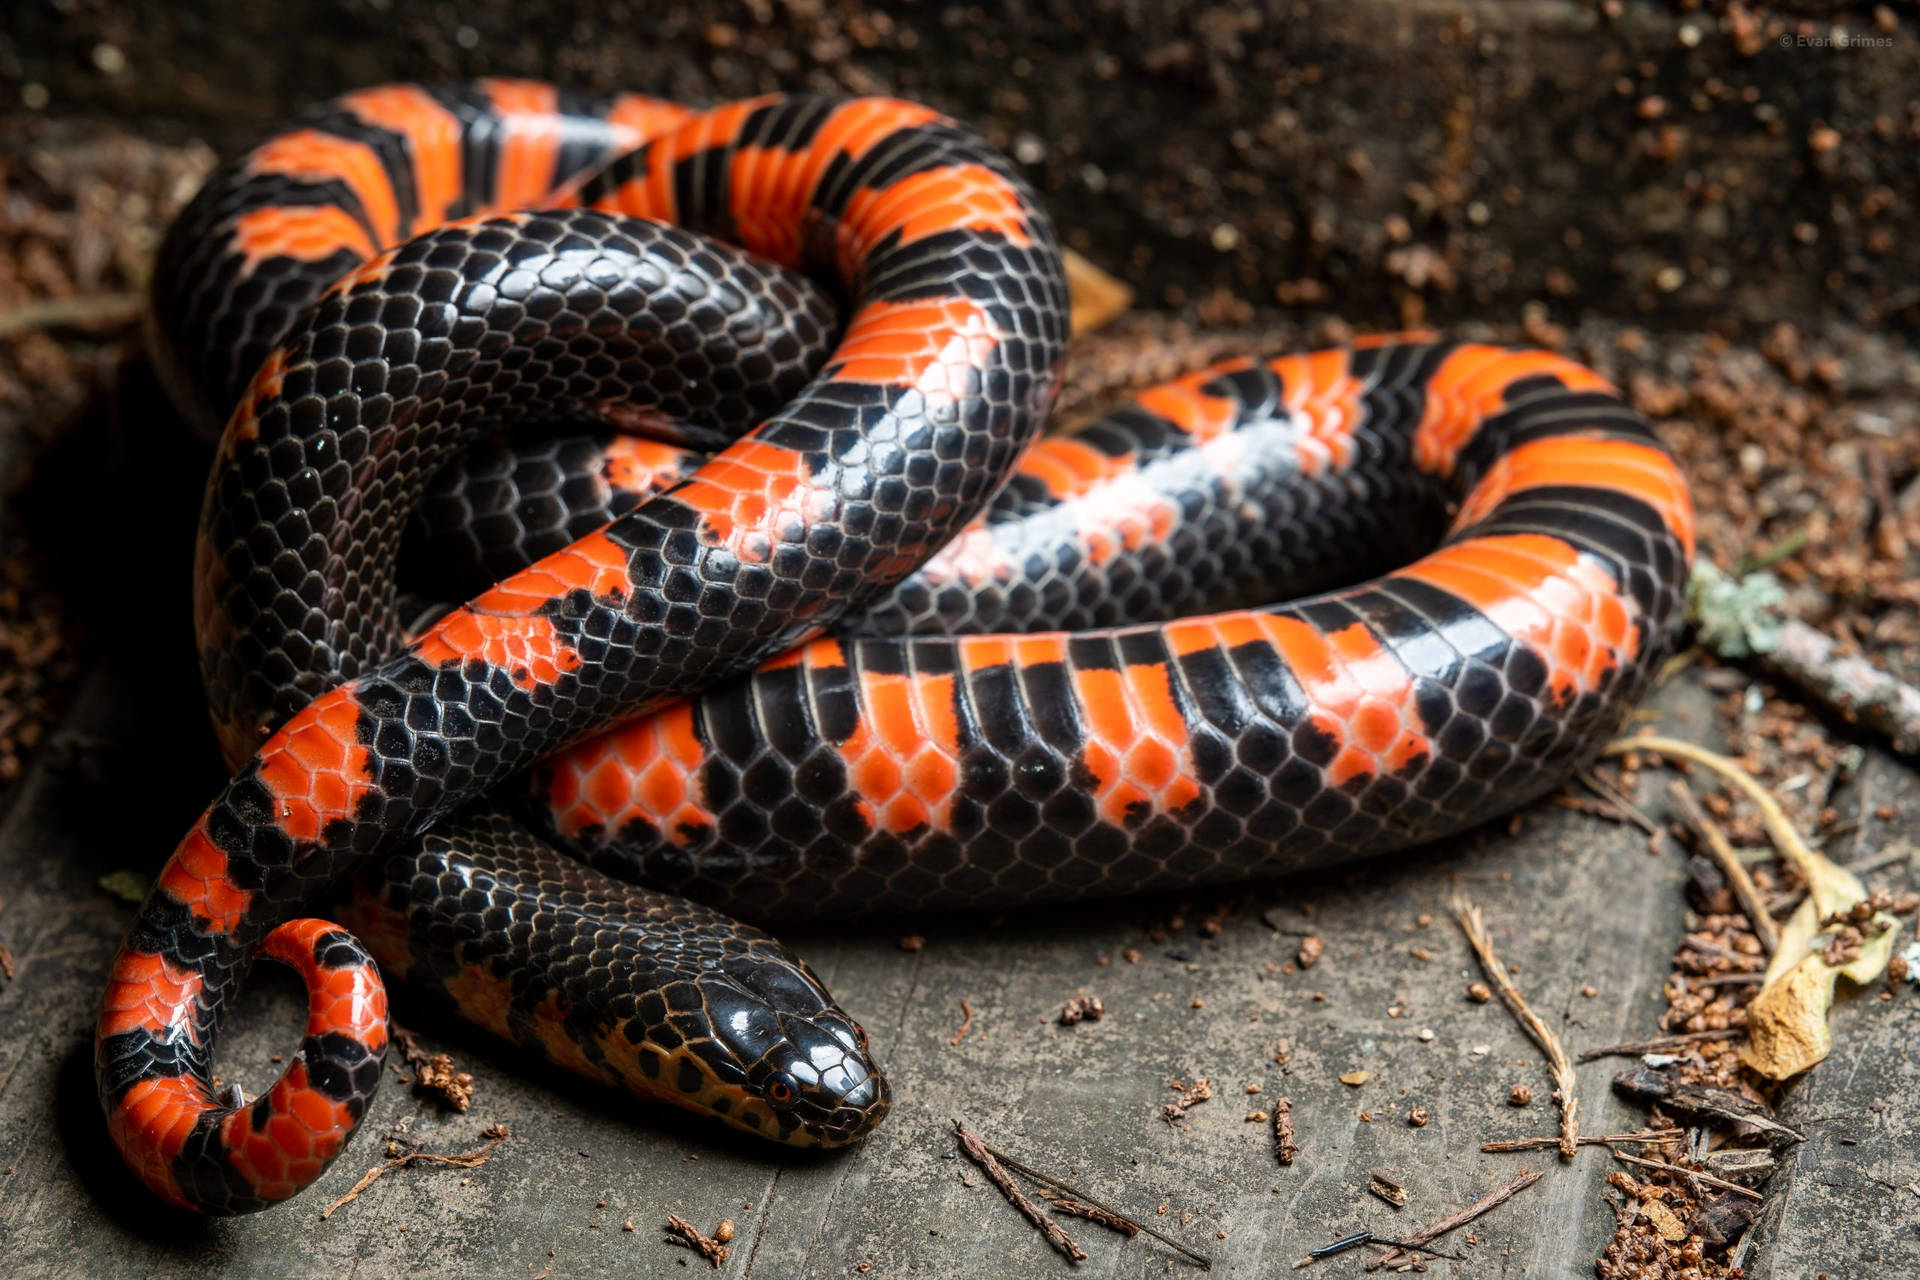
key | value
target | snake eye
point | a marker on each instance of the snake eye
(782, 1090)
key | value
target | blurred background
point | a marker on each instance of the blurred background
(1401, 161)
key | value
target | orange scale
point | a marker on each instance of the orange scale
(1375, 726)
(663, 788)
(1153, 764)
(877, 775)
(607, 789)
(930, 777)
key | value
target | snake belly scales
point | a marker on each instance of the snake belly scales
(727, 427)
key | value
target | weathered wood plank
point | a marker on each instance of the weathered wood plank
(1569, 900)
(1847, 1203)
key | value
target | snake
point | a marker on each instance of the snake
(629, 521)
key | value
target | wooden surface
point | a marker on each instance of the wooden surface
(1570, 900)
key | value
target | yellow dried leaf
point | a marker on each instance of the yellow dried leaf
(1096, 297)
(1356, 1078)
(1787, 1029)
(1663, 1221)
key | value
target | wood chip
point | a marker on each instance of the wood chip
(1387, 1188)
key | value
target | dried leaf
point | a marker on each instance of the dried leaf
(1787, 1022)
(1356, 1078)
(1663, 1221)
(1787, 1030)
(1096, 297)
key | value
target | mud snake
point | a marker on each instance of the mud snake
(879, 650)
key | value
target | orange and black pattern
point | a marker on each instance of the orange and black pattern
(349, 738)
(850, 640)
(871, 772)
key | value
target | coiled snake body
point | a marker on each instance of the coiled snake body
(792, 617)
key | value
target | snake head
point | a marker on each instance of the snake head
(783, 1060)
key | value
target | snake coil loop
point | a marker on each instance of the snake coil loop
(791, 615)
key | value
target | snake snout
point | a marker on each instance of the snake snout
(805, 1061)
(824, 1080)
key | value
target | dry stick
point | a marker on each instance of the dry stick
(1284, 1147)
(1720, 979)
(1199, 1259)
(1707, 1178)
(1892, 541)
(1618, 799)
(1660, 1137)
(86, 311)
(465, 1160)
(1785, 838)
(1061, 1203)
(1729, 863)
(1562, 1070)
(1525, 1179)
(978, 1152)
(1660, 1044)
(1850, 685)
(966, 1023)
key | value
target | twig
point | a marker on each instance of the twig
(1199, 1259)
(1618, 799)
(1791, 545)
(496, 1134)
(704, 1245)
(1284, 1147)
(1524, 1179)
(1561, 1069)
(1781, 831)
(980, 1154)
(1387, 1187)
(1658, 1136)
(1899, 851)
(966, 1023)
(1852, 686)
(1718, 980)
(1729, 863)
(1062, 1203)
(1707, 1178)
(87, 311)
(1708, 947)
(1660, 1044)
